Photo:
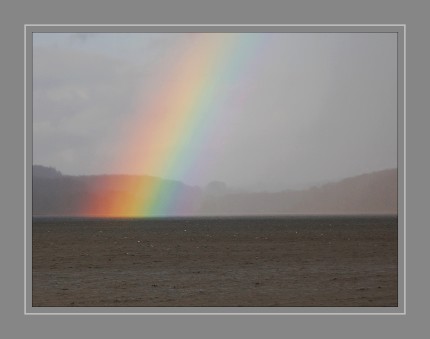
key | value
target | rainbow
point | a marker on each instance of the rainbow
(177, 116)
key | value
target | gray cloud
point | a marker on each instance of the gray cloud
(81, 37)
(80, 100)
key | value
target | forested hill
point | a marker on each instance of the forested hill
(371, 193)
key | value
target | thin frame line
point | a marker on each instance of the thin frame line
(216, 25)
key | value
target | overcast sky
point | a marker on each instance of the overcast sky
(317, 106)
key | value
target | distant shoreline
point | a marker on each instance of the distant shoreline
(227, 217)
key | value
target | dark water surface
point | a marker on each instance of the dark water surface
(237, 261)
(305, 224)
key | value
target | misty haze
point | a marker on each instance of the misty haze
(260, 112)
